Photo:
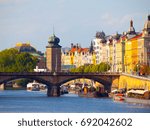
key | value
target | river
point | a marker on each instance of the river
(36, 101)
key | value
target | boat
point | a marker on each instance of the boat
(119, 97)
(94, 94)
(91, 91)
(138, 93)
(63, 90)
(35, 86)
(117, 91)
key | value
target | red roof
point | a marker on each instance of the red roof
(79, 50)
(137, 36)
(123, 37)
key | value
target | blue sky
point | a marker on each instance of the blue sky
(75, 21)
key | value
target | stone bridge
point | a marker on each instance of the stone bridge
(129, 81)
(55, 80)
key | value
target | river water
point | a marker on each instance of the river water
(25, 101)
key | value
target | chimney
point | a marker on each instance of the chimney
(77, 45)
(71, 45)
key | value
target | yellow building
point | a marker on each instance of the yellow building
(93, 59)
(78, 56)
(129, 51)
(128, 56)
(120, 55)
(117, 53)
(137, 47)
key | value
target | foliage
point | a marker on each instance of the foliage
(13, 61)
(142, 69)
(102, 67)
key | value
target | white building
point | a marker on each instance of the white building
(100, 48)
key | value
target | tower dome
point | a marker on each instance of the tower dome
(53, 41)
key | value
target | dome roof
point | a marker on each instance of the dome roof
(53, 39)
(23, 47)
(53, 42)
(26, 47)
(100, 35)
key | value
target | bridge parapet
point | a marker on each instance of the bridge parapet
(55, 73)
(136, 76)
(129, 81)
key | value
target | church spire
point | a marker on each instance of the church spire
(131, 29)
(131, 23)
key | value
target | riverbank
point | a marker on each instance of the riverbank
(138, 101)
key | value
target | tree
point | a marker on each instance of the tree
(102, 67)
(142, 69)
(13, 61)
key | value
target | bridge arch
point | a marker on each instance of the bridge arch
(40, 80)
(105, 82)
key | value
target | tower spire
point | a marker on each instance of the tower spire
(53, 30)
(131, 23)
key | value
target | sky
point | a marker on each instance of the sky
(74, 21)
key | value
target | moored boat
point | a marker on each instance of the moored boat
(34, 86)
(94, 94)
(118, 97)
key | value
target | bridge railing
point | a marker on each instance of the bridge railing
(59, 73)
(136, 76)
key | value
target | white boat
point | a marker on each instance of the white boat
(34, 86)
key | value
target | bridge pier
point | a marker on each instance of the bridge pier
(107, 88)
(53, 91)
(2, 86)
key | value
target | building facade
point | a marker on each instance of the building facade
(137, 48)
(100, 47)
(78, 56)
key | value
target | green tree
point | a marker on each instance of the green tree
(102, 67)
(13, 61)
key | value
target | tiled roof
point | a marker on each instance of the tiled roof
(79, 50)
(136, 37)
